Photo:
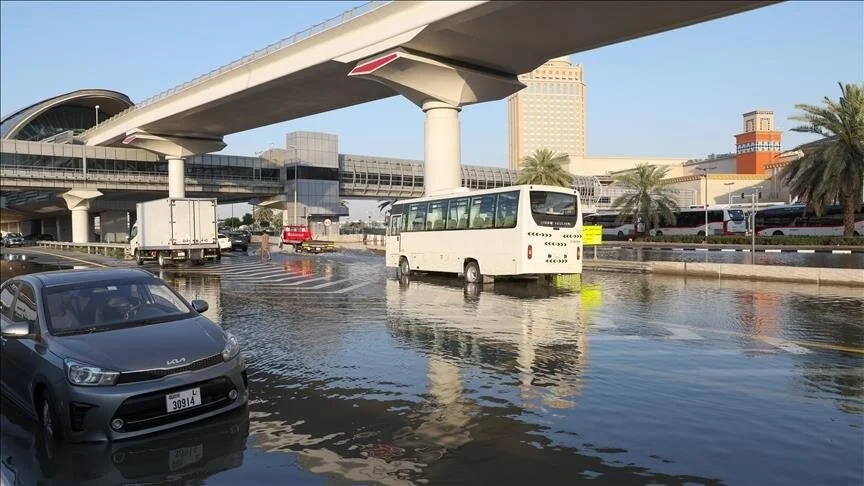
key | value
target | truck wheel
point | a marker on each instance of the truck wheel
(404, 267)
(218, 255)
(472, 273)
(163, 259)
(138, 259)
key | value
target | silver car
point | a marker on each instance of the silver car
(109, 354)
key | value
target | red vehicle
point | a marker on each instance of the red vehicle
(300, 237)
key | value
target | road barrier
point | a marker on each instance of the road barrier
(117, 250)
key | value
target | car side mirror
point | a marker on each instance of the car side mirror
(200, 305)
(16, 329)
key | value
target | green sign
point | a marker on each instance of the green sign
(592, 235)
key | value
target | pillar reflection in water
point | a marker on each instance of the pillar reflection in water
(194, 286)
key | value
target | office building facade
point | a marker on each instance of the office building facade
(548, 113)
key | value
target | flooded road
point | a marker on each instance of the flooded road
(357, 377)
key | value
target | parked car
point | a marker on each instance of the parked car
(239, 240)
(107, 354)
(12, 239)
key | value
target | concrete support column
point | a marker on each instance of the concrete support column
(176, 177)
(78, 200)
(81, 223)
(443, 147)
(440, 87)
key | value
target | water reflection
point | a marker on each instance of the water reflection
(194, 451)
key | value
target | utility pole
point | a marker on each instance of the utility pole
(705, 171)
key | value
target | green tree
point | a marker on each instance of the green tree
(247, 219)
(648, 196)
(231, 222)
(545, 167)
(832, 169)
(265, 216)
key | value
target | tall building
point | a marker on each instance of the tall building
(548, 113)
(758, 145)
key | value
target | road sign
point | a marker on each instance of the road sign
(327, 222)
(592, 235)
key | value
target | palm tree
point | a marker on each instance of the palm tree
(648, 198)
(831, 169)
(545, 167)
(385, 204)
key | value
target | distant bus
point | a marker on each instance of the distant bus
(797, 220)
(515, 231)
(692, 222)
(612, 228)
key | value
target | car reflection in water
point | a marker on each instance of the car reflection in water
(196, 451)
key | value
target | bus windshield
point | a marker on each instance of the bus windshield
(736, 215)
(554, 209)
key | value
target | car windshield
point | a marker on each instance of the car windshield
(105, 306)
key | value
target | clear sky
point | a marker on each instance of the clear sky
(678, 93)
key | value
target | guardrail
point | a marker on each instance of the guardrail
(299, 36)
(117, 250)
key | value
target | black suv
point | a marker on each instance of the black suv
(239, 240)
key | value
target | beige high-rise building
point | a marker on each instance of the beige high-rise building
(548, 113)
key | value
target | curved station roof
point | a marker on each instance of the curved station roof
(75, 111)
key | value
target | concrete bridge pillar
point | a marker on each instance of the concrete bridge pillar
(78, 200)
(440, 88)
(176, 177)
(175, 149)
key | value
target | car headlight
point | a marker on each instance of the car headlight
(232, 347)
(87, 375)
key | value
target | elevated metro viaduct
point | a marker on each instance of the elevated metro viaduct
(439, 55)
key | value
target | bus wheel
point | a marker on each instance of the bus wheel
(777, 233)
(404, 267)
(472, 273)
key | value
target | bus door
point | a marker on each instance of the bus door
(393, 244)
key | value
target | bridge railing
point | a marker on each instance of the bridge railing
(297, 37)
(118, 250)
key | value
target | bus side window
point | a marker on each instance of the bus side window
(435, 216)
(507, 204)
(416, 220)
(458, 214)
(482, 212)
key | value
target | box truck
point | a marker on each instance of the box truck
(175, 230)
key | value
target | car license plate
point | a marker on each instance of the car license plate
(182, 400)
(184, 456)
(181, 253)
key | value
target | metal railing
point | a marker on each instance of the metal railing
(107, 249)
(288, 41)
(98, 175)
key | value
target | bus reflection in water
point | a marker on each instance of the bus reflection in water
(516, 231)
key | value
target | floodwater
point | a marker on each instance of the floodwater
(640, 254)
(358, 377)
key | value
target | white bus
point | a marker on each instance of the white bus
(515, 231)
(612, 228)
(797, 220)
(691, 221)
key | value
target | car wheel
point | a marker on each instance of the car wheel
(777, 233)
(659, 233)
(404, 267)
(472, 273)
(48, 417)
(700, 233)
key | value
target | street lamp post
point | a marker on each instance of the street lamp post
(97, 114)
(729, 191)
(705, 171)
(753, 197)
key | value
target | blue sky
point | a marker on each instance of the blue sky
(679, 93)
